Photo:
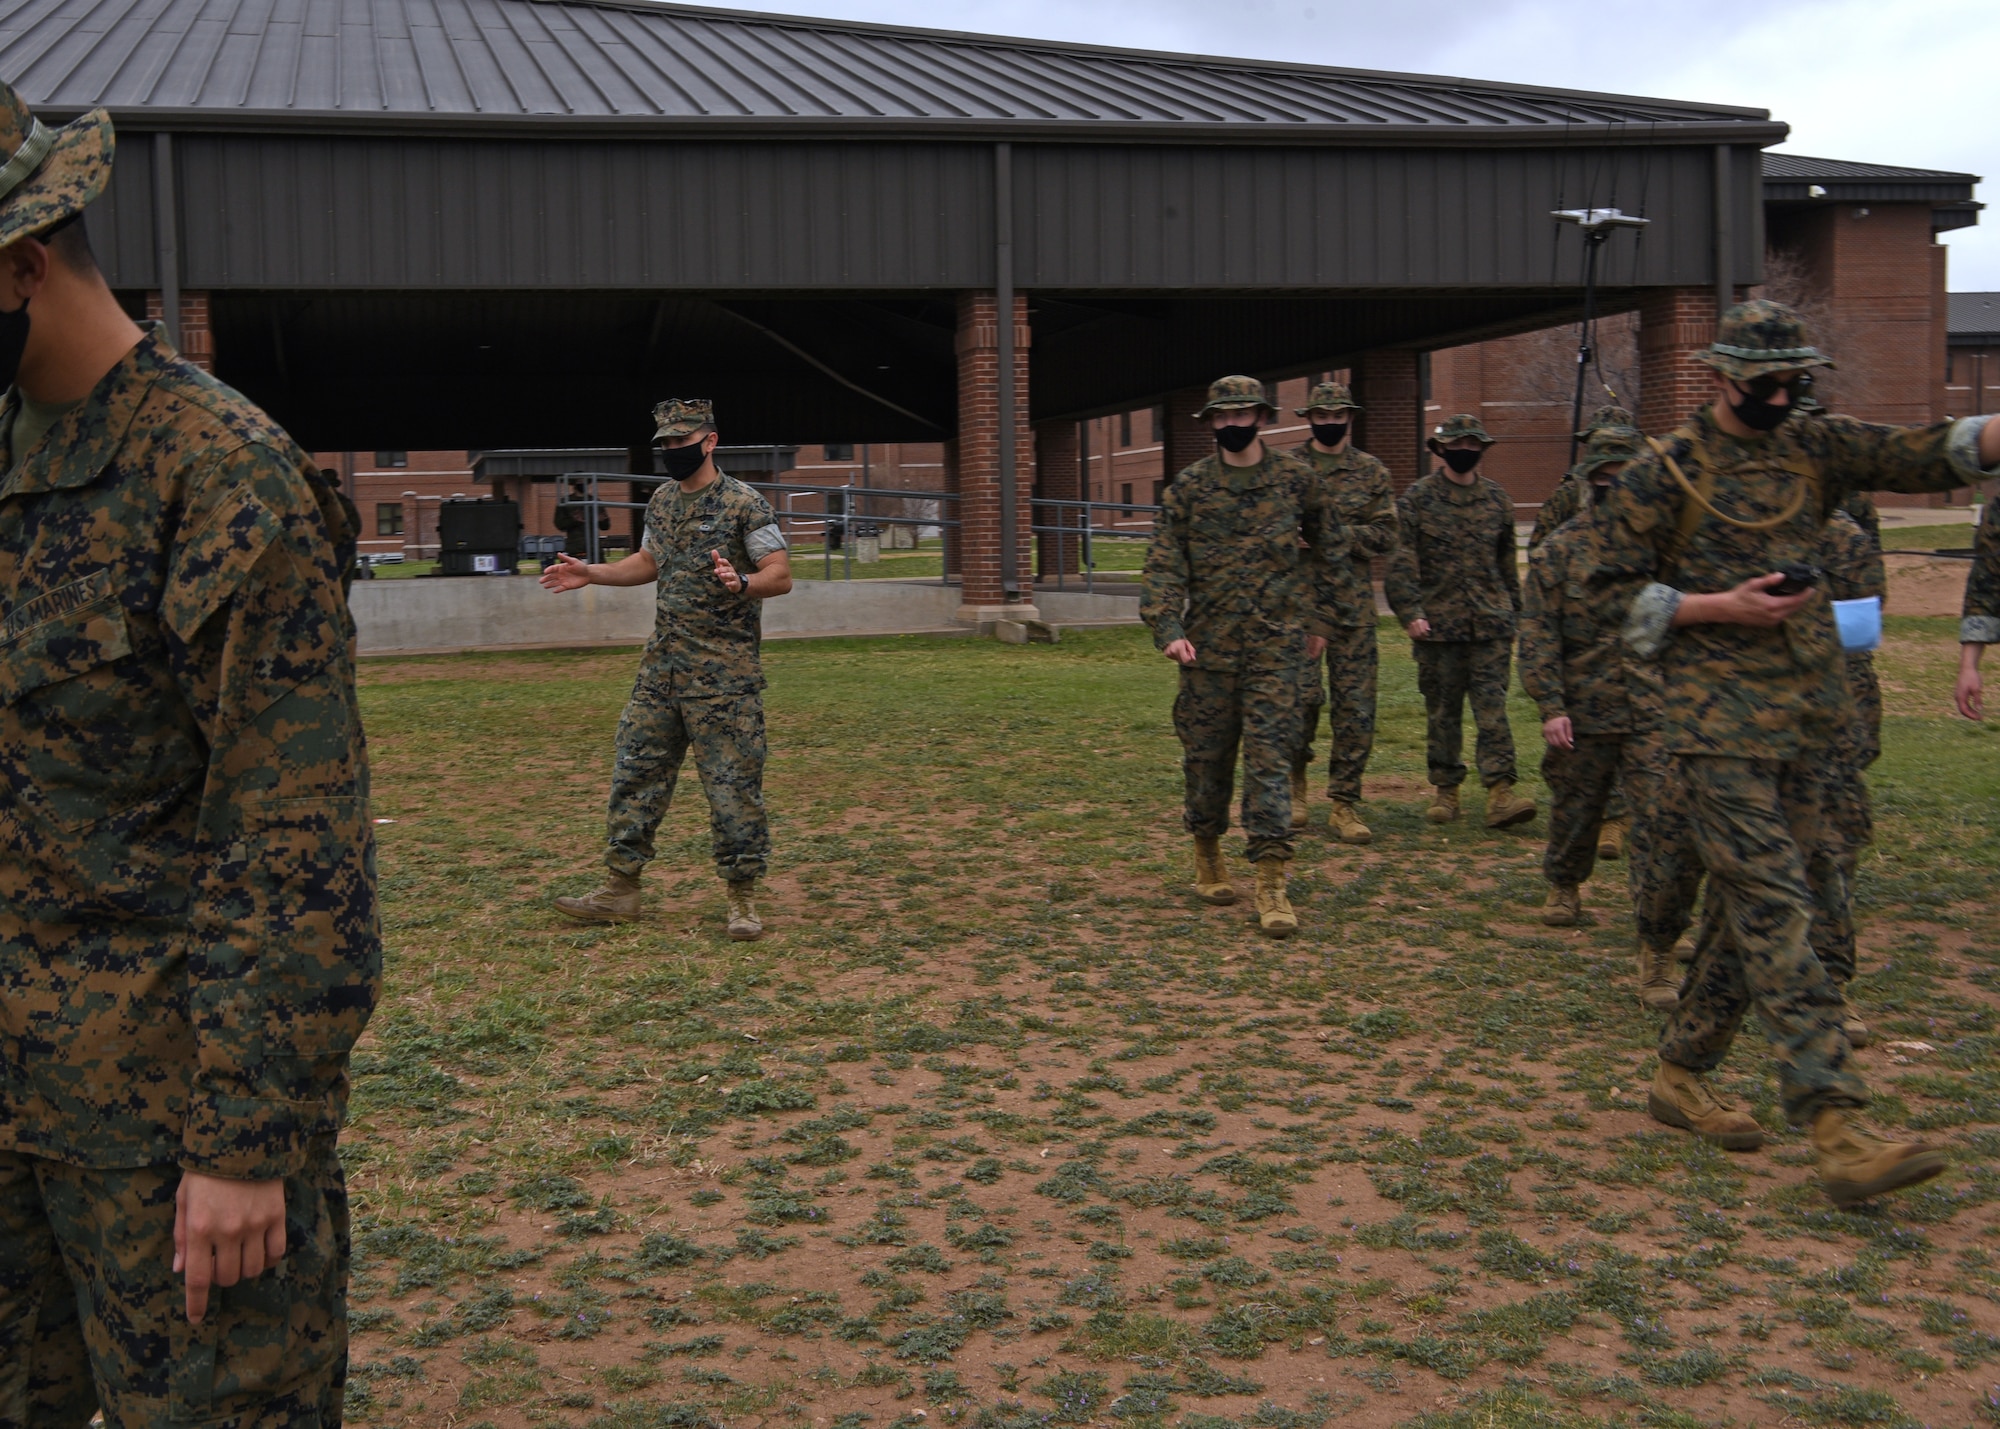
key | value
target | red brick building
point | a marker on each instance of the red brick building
(1972, 355)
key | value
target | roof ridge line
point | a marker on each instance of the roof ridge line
(1174, 57)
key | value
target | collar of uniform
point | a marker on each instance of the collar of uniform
(1460, 495)
(83, 440)
(1248, 478)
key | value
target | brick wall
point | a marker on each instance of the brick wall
(1187, 438)
(1386, 385)
(1674, 325)
(979, 474)
(1972, 385)
(1058, 477)
(197, 336)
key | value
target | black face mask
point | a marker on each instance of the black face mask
(13, 342)
(1461, 461)
(1757, 415)
(1235, 439)
(1329, 434)
(682, 462)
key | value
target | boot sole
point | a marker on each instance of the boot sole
(1522, 817)
(745, 936)
(1280, 932)
(1666, 1113)
(1564, 922)
(1440, 818)
(582, 917)
(1357, 840)
(1860, 1039)
(1909, 1173)
(1217, 900)
(1665, 1001)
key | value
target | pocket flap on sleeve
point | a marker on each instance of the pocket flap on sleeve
(209, 565)
(61, 634)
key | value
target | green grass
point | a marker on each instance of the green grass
(1927, 538)
(999, 1123)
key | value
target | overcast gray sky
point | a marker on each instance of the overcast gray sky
(1910, 82)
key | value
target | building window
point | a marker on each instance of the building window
(1125, 495)
(388, 518)
(1950, 365)
(1160, 422)
(1159, 488)
(1124, 429)
(394, 461)
(838, 451)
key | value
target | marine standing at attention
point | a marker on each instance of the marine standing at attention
(1706, 525)
(1358, 485)
(1454, 587)
(714, 550)
(1237, 593)
(188, 935)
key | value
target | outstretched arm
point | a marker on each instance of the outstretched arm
(639, 568)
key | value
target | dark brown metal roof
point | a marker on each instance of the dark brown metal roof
(271, 62)
(1973, 319)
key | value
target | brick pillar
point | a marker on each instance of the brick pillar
(954, 545)
(1186, 439)
(1674, 325)
(1058, 477)
(1390, 428)
(197, 337)
(982, 594)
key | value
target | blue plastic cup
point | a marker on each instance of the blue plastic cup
(1859, 623)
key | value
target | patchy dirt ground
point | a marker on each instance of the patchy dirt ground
(1000, 1127)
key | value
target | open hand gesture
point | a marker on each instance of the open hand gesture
(568, 573)
(726, 573)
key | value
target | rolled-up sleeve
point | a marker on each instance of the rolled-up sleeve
(284, 960)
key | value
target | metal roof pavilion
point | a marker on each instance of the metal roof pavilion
(483, 223)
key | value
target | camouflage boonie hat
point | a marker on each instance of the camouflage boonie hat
(1609, 444)
(1606, 416)
(1232, 394)
(680, 416)
(47, 175)
(1759, 337)
(1329, 397)
(1463, 425)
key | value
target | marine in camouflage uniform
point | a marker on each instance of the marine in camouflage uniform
(1600, 707)
(1572, 495)
(700, 683)
(1237, 569)
(1979, 625)
(188, 936)
(1359, 487)
(1454, 572)
(1753, 699)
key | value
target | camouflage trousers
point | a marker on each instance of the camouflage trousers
(1758, 825)
(91, 1313)
(1849, 827)
(1348, 697)
(1448, 673)
(1662, 872)
(1217, 712)
(726, 733)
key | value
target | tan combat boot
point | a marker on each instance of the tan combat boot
(1564, 906)
(1444, 805)
(616, 902)
(1684, 948)
(1658, 988)
(1274, 910)
(1505, 808)
(1300, 813)
(1346, 824)
(1211, 879)
(1611, 840)
(744, 924)
(1680, 1098)
(1855, 1164)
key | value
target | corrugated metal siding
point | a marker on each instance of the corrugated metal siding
(323, 212)
(312, 211)
(536, 57)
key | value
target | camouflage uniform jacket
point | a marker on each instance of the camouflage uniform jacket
(1359, 486)
(705, 636)
(1565, 501)
(1574, 660)
(1854, 571)
(1455, 566)
(1733, 690)
(1226, 569)
(1981, 623)
(188, 934)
